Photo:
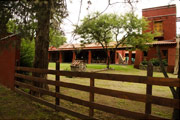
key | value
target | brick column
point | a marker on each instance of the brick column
(138, 58)
(109, 57)
(49, 56)
(74, 56)
(171, 59)
(130, 56)
(60, 57)
(89, 57)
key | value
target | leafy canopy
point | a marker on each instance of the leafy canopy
(123, 29)
(56, 38)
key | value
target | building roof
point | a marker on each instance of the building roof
(164, 42)
(159, 7)
(98, 46)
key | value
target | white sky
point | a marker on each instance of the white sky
(100, 5)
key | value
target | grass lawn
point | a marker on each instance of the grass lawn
(111, 101)
(14, 106)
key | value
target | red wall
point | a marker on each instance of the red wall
(138, 58)
(171, 49)
(171, 59)
(166, 14)
(9, 53)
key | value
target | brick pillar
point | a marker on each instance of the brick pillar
(130, 56)
(138, 58)
(60, 57)
(74, 56)
(171, 59)
(49, 55)
(123, 53)
(89, 57)
(109, 57)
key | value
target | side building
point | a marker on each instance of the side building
(162, 20)
(91, 53)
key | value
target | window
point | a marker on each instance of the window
(158, 27)
(165, 52)
(145, 53)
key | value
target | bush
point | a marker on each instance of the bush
(27, 53)
(155, 62)
(144, 62)
(165, 62)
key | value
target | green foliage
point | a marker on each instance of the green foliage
(27, 52)
(96, 30)
(144, 62)
(124, 29)
(155, 62)
(56, 38)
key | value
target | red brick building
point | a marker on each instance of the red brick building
(163, 20)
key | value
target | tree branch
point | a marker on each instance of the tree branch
(175, 95)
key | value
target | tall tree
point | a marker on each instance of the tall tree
(45, 11)
(96, 30)
(34, 19)
(56, 38)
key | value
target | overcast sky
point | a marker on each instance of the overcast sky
(100, 5)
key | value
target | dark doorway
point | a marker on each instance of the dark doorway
(82, 55)
(67, 56)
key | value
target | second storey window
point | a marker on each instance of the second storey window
(158, 27)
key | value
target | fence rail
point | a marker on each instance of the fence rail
(147, 98)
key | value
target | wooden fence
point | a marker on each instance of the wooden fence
(147, 98)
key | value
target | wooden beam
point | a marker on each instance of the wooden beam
(174, 82)
(97, 106)
(174, 103)
(60, 109)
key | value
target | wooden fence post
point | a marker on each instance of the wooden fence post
(57, 79)
(91, 98)
(148, 89)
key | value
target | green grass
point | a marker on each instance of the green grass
(14, 106)
(115, 69)
(121, 86)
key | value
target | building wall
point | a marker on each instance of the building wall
(9, 54)
(166, 14)
(171, 59)
(138, 58)
(152, 53)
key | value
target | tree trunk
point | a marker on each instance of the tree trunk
(176, 112)
(175, 93)
(42, 41)
(108, 59)
(108, 63)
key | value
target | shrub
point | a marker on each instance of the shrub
(144, 62)
(165, 62)
(155, 62)
(27, 53)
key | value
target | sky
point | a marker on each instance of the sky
(73, 7)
